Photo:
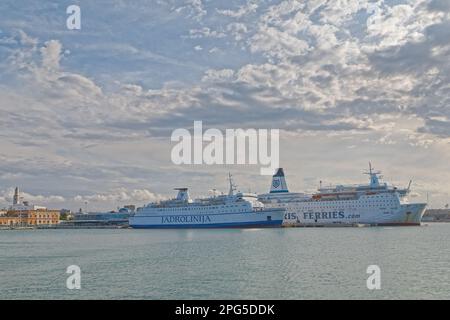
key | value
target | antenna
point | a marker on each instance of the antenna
(372, 170)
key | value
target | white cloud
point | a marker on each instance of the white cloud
(51, 54)
(205, 32)
(243, 10)
(396, 25)
(218, 75)
(275, 43)
(25, 39)
(121, 195)
(238, 30)
(341, 11)
(193, 8)
(6, 197)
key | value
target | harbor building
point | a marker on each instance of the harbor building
(22, 214)
(111, 218)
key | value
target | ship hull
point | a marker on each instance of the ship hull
(313, 214)
(261, 219)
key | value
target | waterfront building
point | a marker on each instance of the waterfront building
(21, 213)
(99, 219)
(12, 220)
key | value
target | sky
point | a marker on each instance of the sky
(86, 115)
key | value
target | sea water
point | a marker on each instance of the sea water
(283, 263)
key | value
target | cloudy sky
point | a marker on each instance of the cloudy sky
(86, 115)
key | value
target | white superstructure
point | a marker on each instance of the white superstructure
(375, 203)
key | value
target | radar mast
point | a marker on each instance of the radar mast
(374, 179)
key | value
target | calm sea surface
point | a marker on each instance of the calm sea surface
(292, 263)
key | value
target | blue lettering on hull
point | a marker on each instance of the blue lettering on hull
(186, 219)
(323, 215)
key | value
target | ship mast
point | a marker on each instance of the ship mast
(232, 185)
(409, 186)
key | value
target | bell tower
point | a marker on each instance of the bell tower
(16, 196)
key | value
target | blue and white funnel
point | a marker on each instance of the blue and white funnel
(278, 182)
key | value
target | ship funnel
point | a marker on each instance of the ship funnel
(374, 177)
(183, 194)
(278, 182)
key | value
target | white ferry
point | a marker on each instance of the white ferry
(240, 210)
(373, 204)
